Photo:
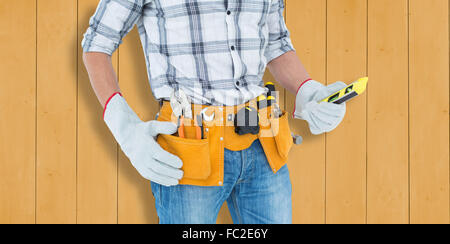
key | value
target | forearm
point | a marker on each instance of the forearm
(101, 75)
(289, 71)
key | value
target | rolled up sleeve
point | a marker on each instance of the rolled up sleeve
(279, 36)
(111, 22)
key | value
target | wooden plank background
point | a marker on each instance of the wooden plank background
(387, 163)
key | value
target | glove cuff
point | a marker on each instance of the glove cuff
(298, 94)
(119, 117)
(304, 82)
(107, 102)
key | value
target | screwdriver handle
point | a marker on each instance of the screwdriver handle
(271, 87)
(272, 94)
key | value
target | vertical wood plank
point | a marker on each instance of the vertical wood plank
(97, 149)
(429, 111)
(306, 20)
(56, 111)
(387, 141)
(346, 146)
(17, 111)
(136, 203)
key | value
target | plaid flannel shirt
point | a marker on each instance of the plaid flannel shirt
(216, 51)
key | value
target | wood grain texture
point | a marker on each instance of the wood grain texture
(387, 131)
(429, 111)
(17, 111)
(306, 20)
(97, 149)
(56, 121)
(346, 146)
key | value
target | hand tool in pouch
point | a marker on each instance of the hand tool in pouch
(199, 127)
(181, 126)
(351, 91)
(271, 100)
(205, 117)
(181, 108)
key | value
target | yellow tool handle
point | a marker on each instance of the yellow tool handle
(349, 92)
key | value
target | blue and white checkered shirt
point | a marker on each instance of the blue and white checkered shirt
(215, 50)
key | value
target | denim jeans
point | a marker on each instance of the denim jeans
(255, 195)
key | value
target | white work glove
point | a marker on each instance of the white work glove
(321, 117)
(138, 141)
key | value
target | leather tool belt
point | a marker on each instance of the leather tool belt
(203, 159)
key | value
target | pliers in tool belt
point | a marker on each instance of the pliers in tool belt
(181, 108)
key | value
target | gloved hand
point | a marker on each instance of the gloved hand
(321, 117)
(138, 141)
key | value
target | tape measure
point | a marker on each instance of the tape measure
(351, 91)
(246, 121)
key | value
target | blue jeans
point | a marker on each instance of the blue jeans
(255, 195)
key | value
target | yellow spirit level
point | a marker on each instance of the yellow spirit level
(351, 91)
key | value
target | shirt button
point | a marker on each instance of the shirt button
(228, 12)
(221, 138)
(232, 48)
(238, 83)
